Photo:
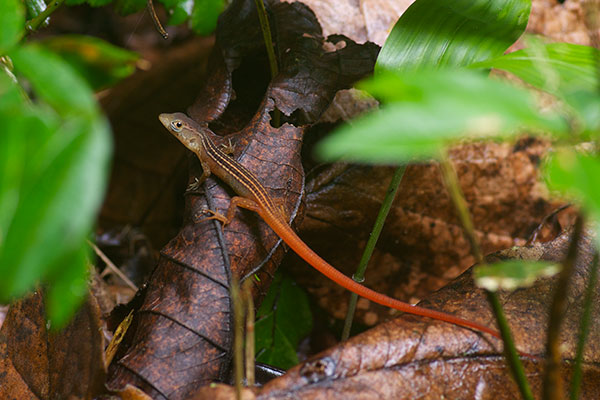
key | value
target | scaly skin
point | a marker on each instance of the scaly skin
(253, 196)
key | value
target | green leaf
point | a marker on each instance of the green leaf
(98, 3)
(575, 175)
(284, 318)
(586, 103)
(440, 33)
(179, 10)
(53, 171)
(100, 63)
(557, 68)
(428, 110)
(69, 286)
(126, 7)
(58, 191)
(10, 94)
(205, 14)
(54, 80)
(512, 274)
(12, 21)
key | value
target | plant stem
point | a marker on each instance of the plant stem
(553, 383)
(33, 24)
(238, 337)
(359, 275)
(584, 328)
(249, 332)
(268, 38)
(157, 24)
(510, 350)
(458, 199)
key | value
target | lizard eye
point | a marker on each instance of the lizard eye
(177, 125)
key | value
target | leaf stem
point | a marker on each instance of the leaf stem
(359, 275)
(247, 294)
(156, 20)
(584, 327)
(238, 337)
(458, 199)
(268, 38)
(33, 24)
(510, 350)
(553, 383)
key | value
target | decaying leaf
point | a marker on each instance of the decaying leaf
(181, 335)
(422, 246)
(36, 363)
(416, 358)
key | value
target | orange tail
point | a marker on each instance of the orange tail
(289, 236)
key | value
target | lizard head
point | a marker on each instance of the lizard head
(184, 129)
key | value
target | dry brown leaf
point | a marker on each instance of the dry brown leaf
(415, 358)
(184, 323)
(422, 246)
(38, 364)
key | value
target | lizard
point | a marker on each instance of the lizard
(252, 195)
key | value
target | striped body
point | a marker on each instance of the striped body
(254, 196)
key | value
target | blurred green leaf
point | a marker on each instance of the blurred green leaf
(100, 63)
(555, 67)
(205, 14)
(12, 21)
(512, 274)
(54, 80)
(575, 175)
(440, 33)
(10, 94)
(98, 3)
(53, 172)
(69, 285)
(60, 191)
(179, 10)
(587, 105)
(427, 110)
(126, 7)
(284, 318)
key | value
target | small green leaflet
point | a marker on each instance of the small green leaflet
(512, 274)
(284, 318)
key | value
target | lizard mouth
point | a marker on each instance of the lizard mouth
(165, 120)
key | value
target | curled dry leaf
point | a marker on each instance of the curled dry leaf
(38, 364)
(181, 335)
(416, 358)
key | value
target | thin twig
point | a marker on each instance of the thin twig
(156, 21)
(112, 267)
(268, 38)
(33, 24)
(584, 327)
(269, 45)
(249, 332)
(510, 350)
(536, 232)
(238, 337)
(553, 383)
(359, 275)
